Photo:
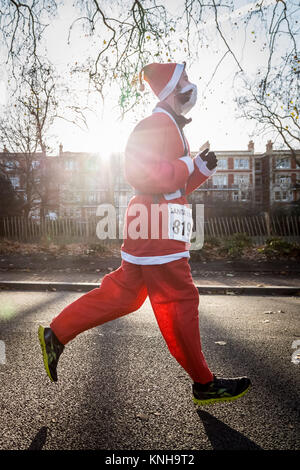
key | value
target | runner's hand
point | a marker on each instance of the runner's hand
(210, 158)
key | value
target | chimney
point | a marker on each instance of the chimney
(60, 149)
(5, 149)
(251, 146)
(269, 146)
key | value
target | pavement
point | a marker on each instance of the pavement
(280, 277)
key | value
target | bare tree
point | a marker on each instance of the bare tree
(275, 110)
(271, 98)
(25, 128)
(128, 34)
(23, 157)
(22, 27)
(10, 202)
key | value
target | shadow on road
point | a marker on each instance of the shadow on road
(223, 437)
(39, 440)
(19, 312)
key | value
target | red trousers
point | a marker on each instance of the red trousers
(174, 299)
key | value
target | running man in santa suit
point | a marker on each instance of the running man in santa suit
(158, 165)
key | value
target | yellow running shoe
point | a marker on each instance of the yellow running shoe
(220, 390)
(51, 350)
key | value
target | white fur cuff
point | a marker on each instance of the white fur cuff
(203, 168)
(189, 163)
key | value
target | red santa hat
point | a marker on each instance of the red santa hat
(162, 78)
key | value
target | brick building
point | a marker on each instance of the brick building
(278, 177)
(73, 184)
(233, 180)
(83, 183)
(262, 181)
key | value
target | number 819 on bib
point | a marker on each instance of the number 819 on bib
(180, 222)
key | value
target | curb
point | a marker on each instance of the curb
(209, 289)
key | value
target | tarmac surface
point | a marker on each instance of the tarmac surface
(119, 388)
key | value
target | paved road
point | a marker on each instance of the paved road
(120, 389)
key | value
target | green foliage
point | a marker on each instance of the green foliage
(235, 244)
(211, 240)
(276, 247)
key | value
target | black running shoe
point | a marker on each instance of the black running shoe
(51, 349)
(220, 390)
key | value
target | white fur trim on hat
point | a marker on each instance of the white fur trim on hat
(172, 83)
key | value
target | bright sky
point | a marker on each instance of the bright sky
(213, 117)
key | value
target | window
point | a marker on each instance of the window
(235, 196)
(284, 162)
(219, 180)
(258, 180)
(35, 164)
(286, 196)
(258, 197)
(91, 211)
(245, 195)
(92, 164)
(92, 197)
(67, 195)
(15, 181)
(101, 196)
(241, 163)
(257, 165)
(222, 164)
(70, 164)
(283, 180)
(241, 180)
(220, 195)
(10, 164)
(283, 196)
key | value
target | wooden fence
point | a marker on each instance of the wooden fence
(257, 227)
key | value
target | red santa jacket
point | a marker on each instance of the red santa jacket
(159, 167)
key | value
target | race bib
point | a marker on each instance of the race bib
(180, 222)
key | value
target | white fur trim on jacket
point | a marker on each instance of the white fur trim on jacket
(145, 260)
(161, 110)
(189, 163)
(175, 195)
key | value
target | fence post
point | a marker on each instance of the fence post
(87, 234)
(267, 219)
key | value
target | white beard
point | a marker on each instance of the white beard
(186, 107)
